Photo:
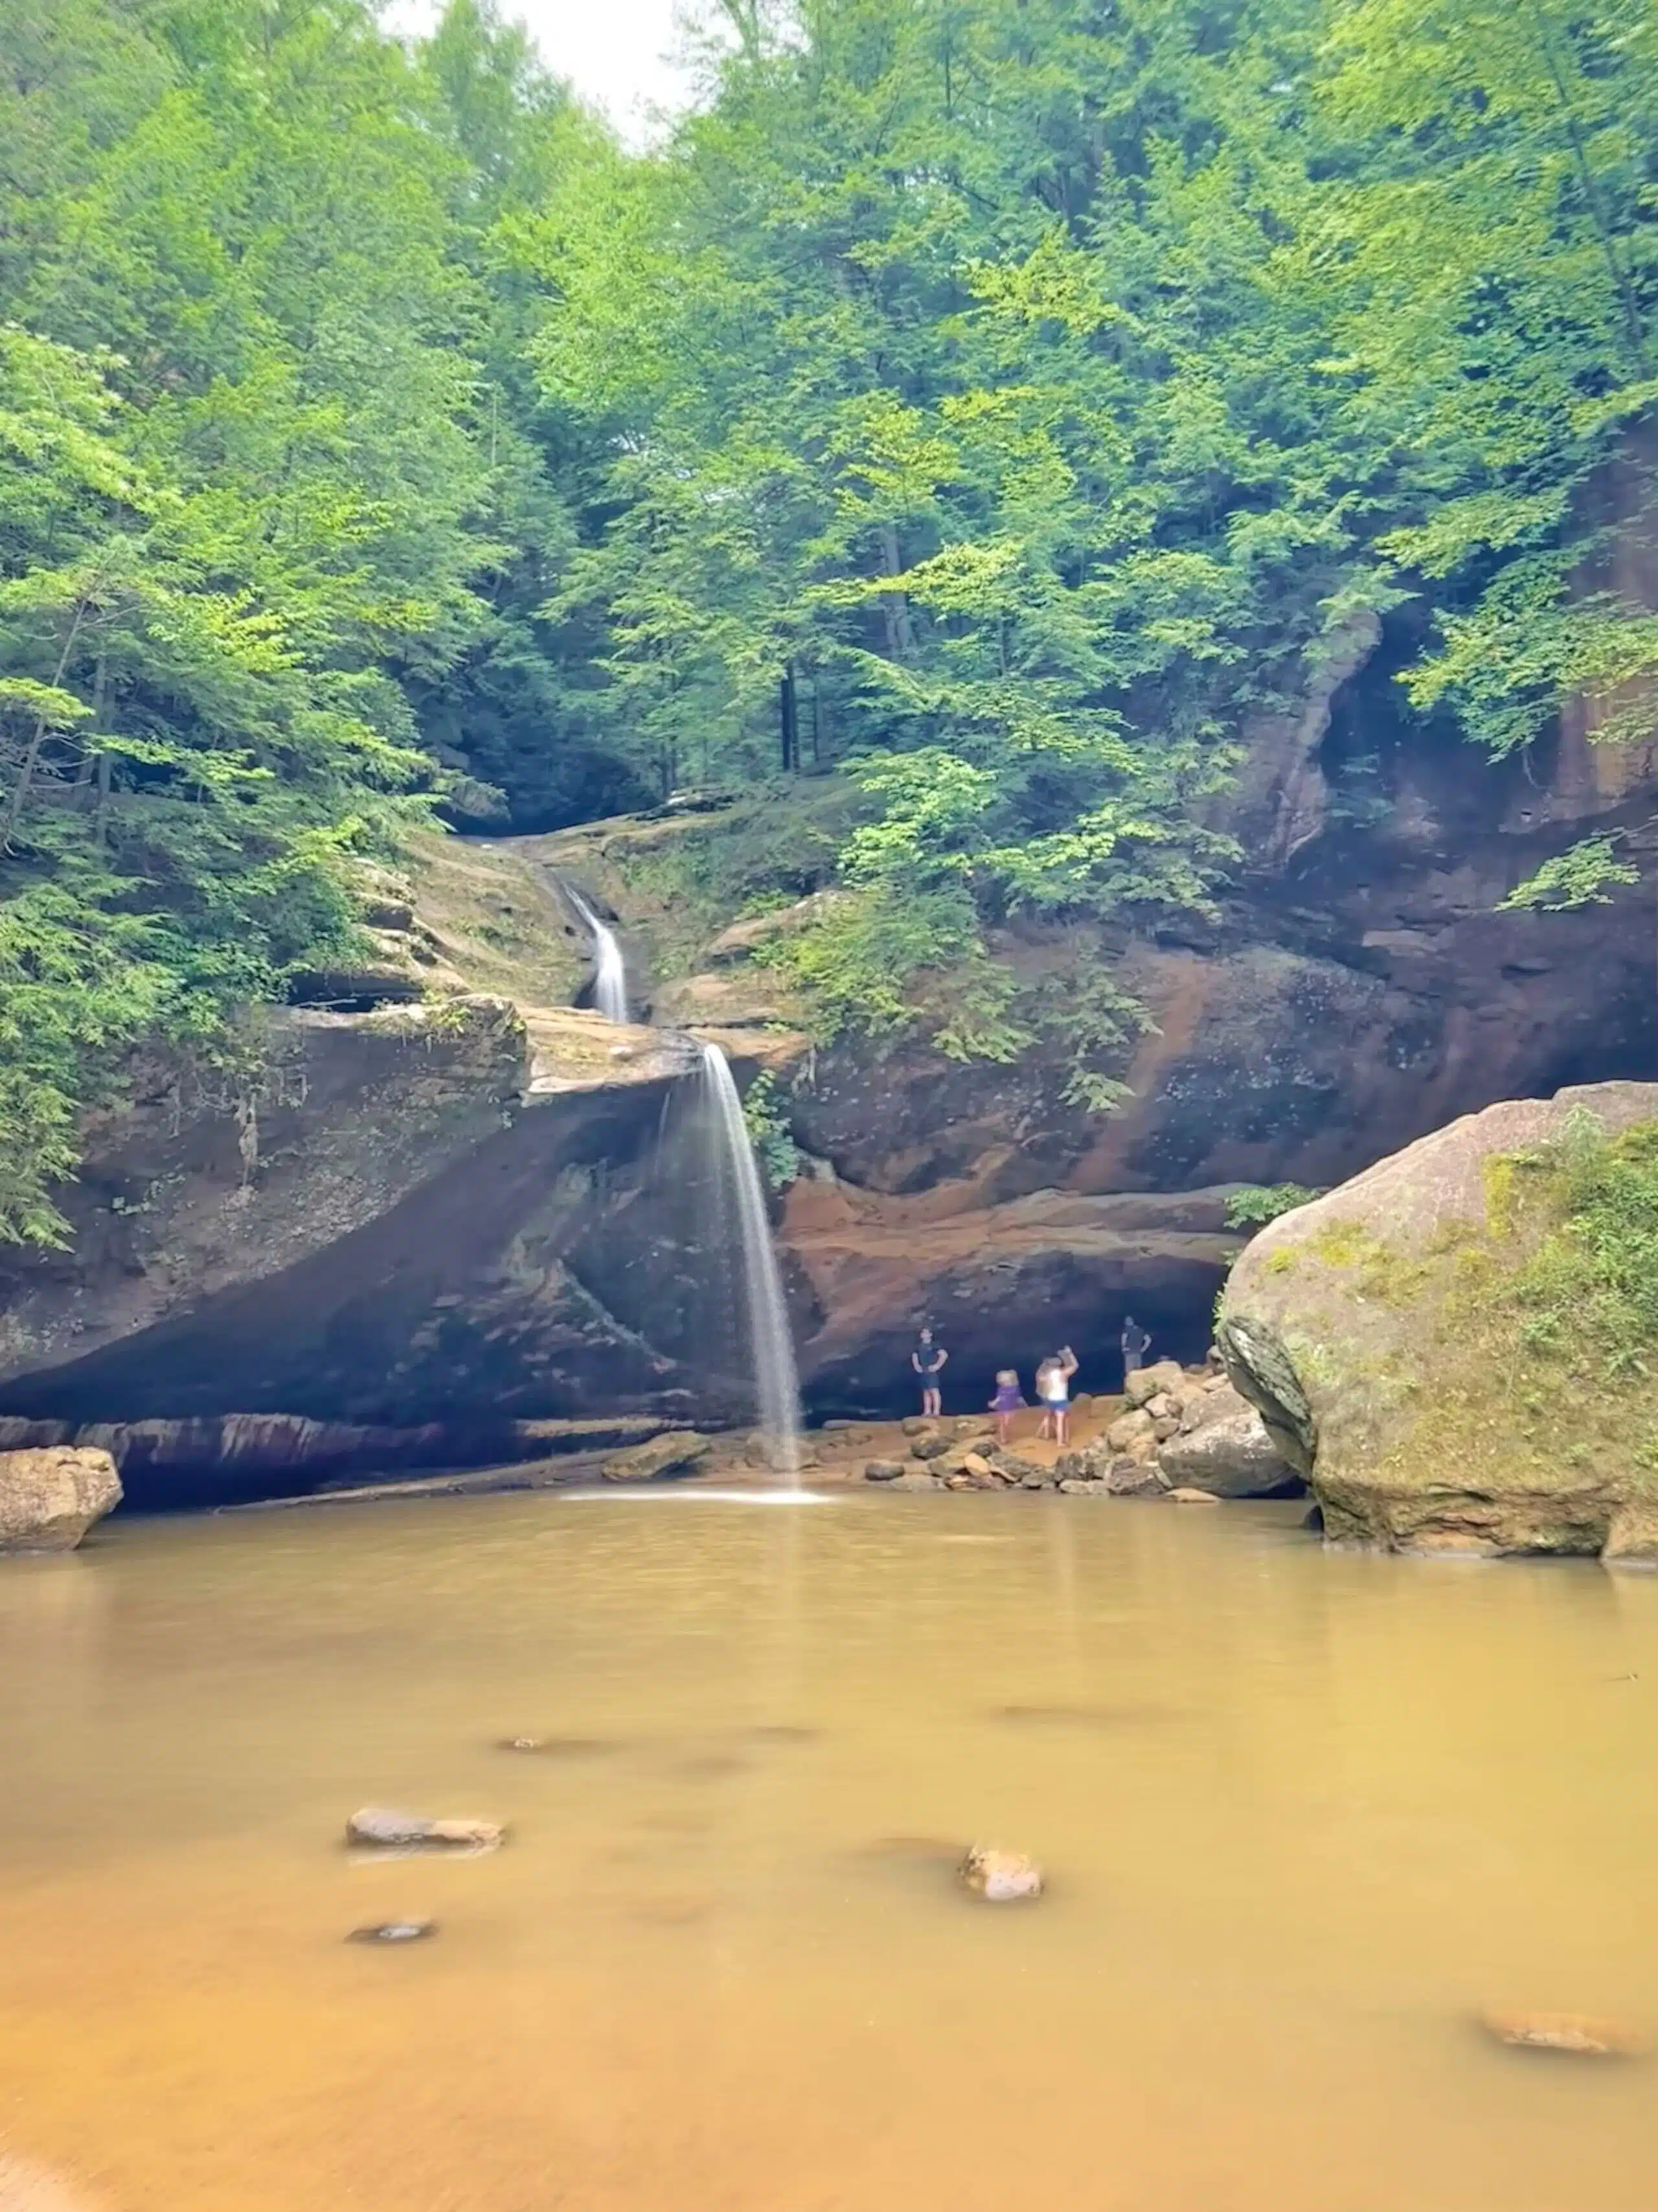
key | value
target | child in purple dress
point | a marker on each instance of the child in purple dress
(1006, 1402)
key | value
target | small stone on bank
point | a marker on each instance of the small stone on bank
(1001, 1877)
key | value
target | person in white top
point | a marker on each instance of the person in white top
(1053, 1388)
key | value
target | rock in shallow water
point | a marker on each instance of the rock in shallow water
(380, 1827)
(394, 1931)
(676, 1453)
(560, 1747)
(1223, 1445)
(1001, 1877)
(50, 1497)
(1580, 2035)
(884, 1470)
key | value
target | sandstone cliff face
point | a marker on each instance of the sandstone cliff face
(445, 1222)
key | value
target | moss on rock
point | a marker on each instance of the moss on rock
(1459, 1345)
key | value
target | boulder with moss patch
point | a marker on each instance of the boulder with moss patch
(1454, 1346)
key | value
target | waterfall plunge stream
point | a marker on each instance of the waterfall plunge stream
(777, 1387)
(609, 969)
(743, 1205)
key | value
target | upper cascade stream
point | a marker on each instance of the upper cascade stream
(610, 969)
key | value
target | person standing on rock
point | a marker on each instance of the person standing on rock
(928, 1360)
(1006, 1402)
(1136, 1343)
(1053, 1388)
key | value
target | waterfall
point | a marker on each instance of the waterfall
(777, 1388)
(610, 972)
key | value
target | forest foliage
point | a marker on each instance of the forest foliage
(996, 404)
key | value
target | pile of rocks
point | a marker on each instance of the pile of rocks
(1188, 1431)
(954, 1454)
(1181, 1434)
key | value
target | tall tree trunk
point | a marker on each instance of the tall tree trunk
(788, 721)
(1589, 184)
(37, 737)
(895, 605)
(100, 815)
(94, 760)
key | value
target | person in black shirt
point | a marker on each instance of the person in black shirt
(1136, 1343)
(928, 1360)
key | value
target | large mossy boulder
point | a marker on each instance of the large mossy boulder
(1459, 1348)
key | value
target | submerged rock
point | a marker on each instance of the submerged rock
(1581, 2035)
(394, 1931)
(381, 1827)
(1001, 1877)
(1186, 1495)
(676, 1453)
(50, 1497)
(560, 1747)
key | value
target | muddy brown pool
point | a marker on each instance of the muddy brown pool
(1303, 1816)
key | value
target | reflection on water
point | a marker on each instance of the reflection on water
(1303, 1817)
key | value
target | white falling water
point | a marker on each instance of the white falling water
(610, 972)
(777, 1385)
